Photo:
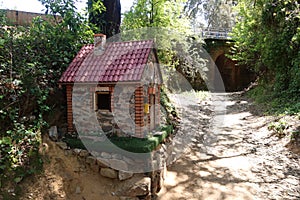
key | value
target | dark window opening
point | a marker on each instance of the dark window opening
(104, 101)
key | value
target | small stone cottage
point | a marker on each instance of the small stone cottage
(121, 81)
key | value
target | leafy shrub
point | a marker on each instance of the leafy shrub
(267, 32)
(19, 154)
(295, 134)
(278, 128)
(31, 61)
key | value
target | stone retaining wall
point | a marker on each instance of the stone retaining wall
(133, 186)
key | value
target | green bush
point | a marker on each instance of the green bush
(267, 39)
(32, 60)
(19, 155)
(278, 128)
(274, 104)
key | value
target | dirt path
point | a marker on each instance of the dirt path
(233, 156)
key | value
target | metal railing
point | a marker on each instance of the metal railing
(216, 34)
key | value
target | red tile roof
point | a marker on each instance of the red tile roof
(121, 61)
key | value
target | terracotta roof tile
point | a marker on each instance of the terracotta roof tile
(121, 61)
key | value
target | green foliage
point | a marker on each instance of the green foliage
(95, 8)
(32, 59)
(168, 106)
(212, 14)
(165, 21)
(105, 16)
(295, 134)
(267, 40)
(199, 95)
(156, 13)
(163, 16)
(278, 128)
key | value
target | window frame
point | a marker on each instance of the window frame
(97, 103)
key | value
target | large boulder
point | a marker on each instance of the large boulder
(118, 164)
(109, 173)
(138, 185)
(124, 175)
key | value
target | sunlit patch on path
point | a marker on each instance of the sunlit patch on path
(232, 156)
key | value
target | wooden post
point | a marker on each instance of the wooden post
(69, 90)
(139, 112)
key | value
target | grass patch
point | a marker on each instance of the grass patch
(199, 95)
(272, 104)
(131, 144)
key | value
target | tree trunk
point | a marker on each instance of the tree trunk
(108, 22)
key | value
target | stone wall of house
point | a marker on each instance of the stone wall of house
(105, 119)
(84, 117)
(126, 118)
(121, 121)
(124, 110)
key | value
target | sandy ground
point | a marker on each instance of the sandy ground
(233, 156)
(62, 180)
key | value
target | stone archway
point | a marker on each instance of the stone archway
(228, 71)
(235, 76)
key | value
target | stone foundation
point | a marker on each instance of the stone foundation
(144, 185)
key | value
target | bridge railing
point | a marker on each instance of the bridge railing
(216, 34)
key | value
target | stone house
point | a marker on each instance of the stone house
(114, 87)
